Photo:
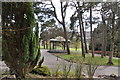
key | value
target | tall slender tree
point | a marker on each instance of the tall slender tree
(104, 32)
(63, 15)
(79, 11)
(81, 29)
(110, 11)
(84, 34)
(91, 32)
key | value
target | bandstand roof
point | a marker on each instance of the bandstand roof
(58, 39)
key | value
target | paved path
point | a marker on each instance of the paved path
(52, 62)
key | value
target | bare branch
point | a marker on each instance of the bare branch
(56, 14)
(62, 11)
(74, 4)
(65, 7)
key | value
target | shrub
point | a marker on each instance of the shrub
(79, 69)
(117, 54)
(57, 72)
(66, 69)
(91, 68)
(43, 70)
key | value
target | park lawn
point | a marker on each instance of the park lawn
(41, 47)
(71, 49)
(97, 60)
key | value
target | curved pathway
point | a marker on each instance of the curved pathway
(52, 62)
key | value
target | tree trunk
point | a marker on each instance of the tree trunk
(111, 54)
(81, 34)
(64, 45)
(66, 39)
(103, 43)
(76, 48)
(19, 76)
(91, 32)
(50, 46)
(63, 13)
(65, 32)
(53, 45)
(84, 36)
(46, 45)
(104, 38)
(112, 40)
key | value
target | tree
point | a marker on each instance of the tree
(86, 7)
(79, 10)
(63, 14)
(76, 44)
(46, 30)
(91, 32)
(21, 50)
(82, 10)
(104, 30)
(110, 12)
(47, 14)
(46, 21)
(84, 34)
(114, 9)
(81, 29)
(89, 6)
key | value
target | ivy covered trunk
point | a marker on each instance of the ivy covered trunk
(20, 43)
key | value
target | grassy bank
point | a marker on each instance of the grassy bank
(97, 60)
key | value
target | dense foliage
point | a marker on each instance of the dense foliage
(21, 50)
(98, 33)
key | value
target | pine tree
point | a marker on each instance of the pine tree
(20, 43)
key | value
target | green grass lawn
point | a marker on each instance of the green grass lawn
(41, 47)
(97, 60)
(71, 49)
